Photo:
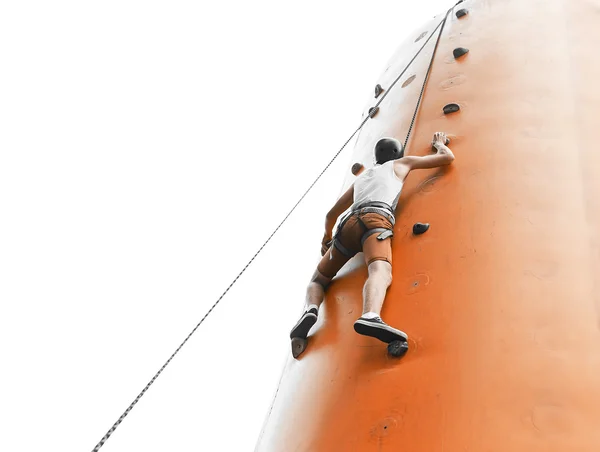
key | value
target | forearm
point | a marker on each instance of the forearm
(330, 220)
(340, 206)
(444, 150)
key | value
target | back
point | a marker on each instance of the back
(379, 183)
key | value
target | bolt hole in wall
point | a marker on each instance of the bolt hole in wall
(408, 81)
(421, 36)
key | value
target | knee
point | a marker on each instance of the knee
(319, 280)
(314, 285)
(387, 277)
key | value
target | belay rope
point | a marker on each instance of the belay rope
(130, 407)
(412, 121)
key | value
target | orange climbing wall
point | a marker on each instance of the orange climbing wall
(501, 296)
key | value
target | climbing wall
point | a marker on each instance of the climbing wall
(500, 297)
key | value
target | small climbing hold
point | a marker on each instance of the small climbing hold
(357, 168)
(462, 12)
(451, 108)
(378, 90)
(420, 228)
(373, 111)
(398, 348)
(298, 346)
(460, 51)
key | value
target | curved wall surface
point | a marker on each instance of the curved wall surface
(500, 297)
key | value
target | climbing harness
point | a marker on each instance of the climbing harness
(380, 210)
(378, 207)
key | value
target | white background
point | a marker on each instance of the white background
(147, 150)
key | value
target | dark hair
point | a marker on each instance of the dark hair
(388, 149)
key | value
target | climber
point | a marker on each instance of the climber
(368, 227)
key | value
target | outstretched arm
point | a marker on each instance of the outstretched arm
(442, 157)
(339, 207)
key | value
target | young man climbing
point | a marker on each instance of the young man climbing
(368, 228)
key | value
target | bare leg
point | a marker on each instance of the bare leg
(380, 278)
(331, 262)
(315, 292)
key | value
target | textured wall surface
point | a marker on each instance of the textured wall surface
(500, 297)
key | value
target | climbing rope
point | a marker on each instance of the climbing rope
(130, 407)
(386, 92)
(412, 122)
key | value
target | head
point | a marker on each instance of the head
(388, 149)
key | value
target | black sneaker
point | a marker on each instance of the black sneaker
(308, 319)
(377, 328)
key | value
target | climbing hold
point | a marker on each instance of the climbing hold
(398, 348)
(462, 12)
(420, 228)
(357, 168)
(378, 90)
(451, 108)
(459, 51)
(373, 111)
(298, 346)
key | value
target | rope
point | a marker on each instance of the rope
(412, 122)
(130, 407)
(386, 92)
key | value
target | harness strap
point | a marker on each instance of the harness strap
(384, 234)
(384, 213)
(342, 249)
(378, 207)
(379, 204)
(335, 242)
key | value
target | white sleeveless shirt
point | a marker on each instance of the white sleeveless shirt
(379, 183)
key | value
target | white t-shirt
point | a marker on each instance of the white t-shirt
(379, 183)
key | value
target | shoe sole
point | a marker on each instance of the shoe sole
(304, 325)
(379, 332)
